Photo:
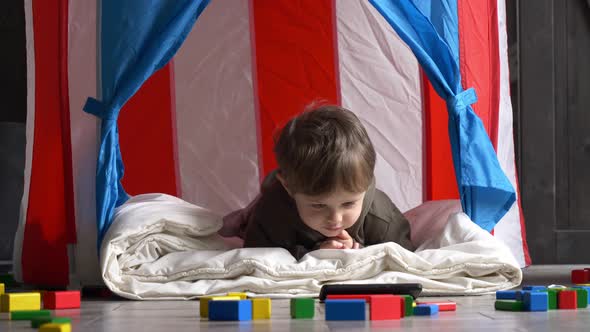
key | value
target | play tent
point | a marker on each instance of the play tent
(227, 75)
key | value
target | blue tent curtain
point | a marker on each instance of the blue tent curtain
(137, 37)
(430, 29)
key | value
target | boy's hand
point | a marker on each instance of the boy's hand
(346, 240)
(331, 244)
(341, 241)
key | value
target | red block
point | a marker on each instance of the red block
(61, 300)
(581, 276)
(567, 299)
(385, 306)
(366, 297)
(442, 306)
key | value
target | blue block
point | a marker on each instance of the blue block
(230, 310)
(425, 309)
(534, 288)
(519, 295)
(506, 295)
(536, 301)
(345, 309)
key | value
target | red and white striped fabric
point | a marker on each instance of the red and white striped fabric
(201, 128)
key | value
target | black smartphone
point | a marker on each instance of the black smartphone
(396, 289)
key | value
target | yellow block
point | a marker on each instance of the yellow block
(20, 301)
(204, 303)
(2, 289)
(53, 327)
(261, 308)
(242, 296)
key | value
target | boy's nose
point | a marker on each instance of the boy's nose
(335, 217)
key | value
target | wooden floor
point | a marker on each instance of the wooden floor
(473, 313)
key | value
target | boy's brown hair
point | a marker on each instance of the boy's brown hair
(323, 149)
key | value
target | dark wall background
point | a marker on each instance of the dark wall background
(13, 104)
(550, 58)
(13, 66)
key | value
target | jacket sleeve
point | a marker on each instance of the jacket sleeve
(386, 223)
(258, 236)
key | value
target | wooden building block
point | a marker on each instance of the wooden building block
(552, 298)
(567, 299)
(61, 300)
(55, 327)
(442, 306)
(204, 303)
(408, 305)
(386, 307)
(261, 308)
(353, 309)
(580, 276)
(582, 296)
(536, 301)
(509, 305)
(20, 301)
(587, 288)
(520, 295)
(302, 308)
(38, 321)
(506, 295)
(2, 289)
(242, 296)
(366, 297)
(425, 310)
(534, 288)
(234, 310)
(29, 314)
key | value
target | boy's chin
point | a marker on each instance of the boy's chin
(331, 232)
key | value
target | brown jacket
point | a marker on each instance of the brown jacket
(275, 222)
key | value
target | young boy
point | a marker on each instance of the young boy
(323, 194)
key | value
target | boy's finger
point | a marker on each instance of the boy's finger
(337, 244)
(343, 235)
(332, 244)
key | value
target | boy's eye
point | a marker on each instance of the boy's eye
(348, 204)
(318, 206)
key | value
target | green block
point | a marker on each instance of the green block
(29, 314)
(552, 296)
(38, 321)
(408, 305)
(302, 308)
(582, 297)
(509, 305)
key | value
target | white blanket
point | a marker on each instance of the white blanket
(161, 247)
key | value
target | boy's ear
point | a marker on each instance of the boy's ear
(283, 182)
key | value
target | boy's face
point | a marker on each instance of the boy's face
(331, 213)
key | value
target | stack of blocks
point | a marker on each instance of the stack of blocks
(381, 307)
(540, 298)
(27, 306)
(234, 307)
(237, 307)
